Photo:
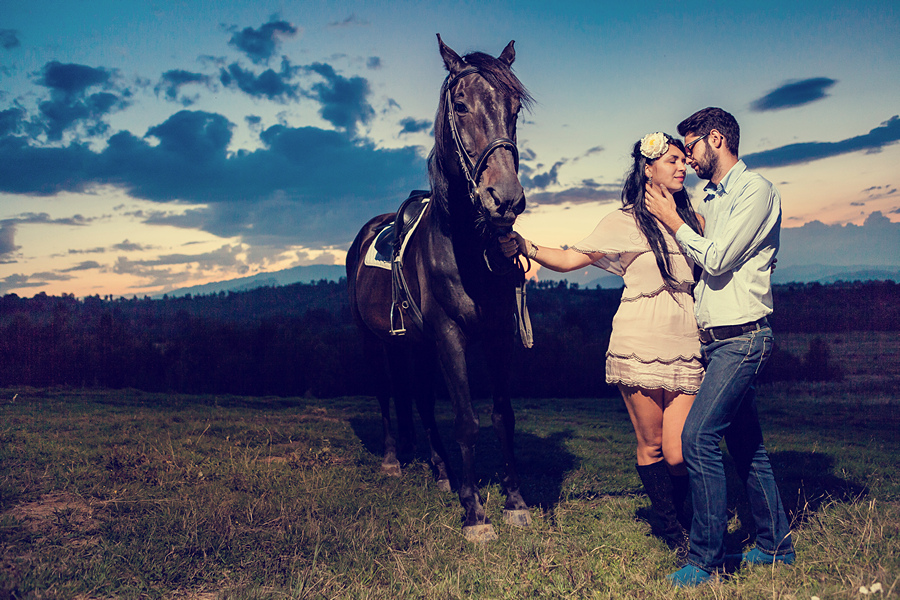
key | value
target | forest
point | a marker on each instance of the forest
(300, 340)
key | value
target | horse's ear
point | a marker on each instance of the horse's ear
(509, 53)
(452, 61)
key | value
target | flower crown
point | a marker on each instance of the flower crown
(654, 145)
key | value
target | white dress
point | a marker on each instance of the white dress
(654, 342)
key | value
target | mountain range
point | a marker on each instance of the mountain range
(813, 252)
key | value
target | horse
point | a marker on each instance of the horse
(459, 287)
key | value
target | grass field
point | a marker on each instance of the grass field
(122, 494)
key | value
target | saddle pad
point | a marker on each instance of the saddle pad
(374, 258)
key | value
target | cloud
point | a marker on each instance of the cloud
(874, 243)
(579, 195)
(350, 21)
(225, 256)
(7, 240)
(9, 227)
(72, 80)
(344, 101)
(302, 183)
(793, 93)
(70, 105)
(540, 180)
(9, 39)
(30, 218)
(127, 246)
(410, 125)
(172, 82)
(274, 85)
(260, 44)
(18, 280)
(885, 134)
(373, 62)
(82, 266)
(11, 120)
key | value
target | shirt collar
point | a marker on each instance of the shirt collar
(732, 175)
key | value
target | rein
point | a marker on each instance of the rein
(470, 170)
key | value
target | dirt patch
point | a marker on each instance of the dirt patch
(56, 512)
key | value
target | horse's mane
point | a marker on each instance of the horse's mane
(500, 76)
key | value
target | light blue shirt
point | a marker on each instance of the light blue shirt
(739, 242)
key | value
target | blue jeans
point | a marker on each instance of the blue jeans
(726, 406)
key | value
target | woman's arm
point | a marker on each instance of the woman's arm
(555, 259)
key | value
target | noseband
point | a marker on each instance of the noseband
(473, 171)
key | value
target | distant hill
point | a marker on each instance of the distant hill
(307, 274)
(588, 278)
(832, 273)
(593, 277)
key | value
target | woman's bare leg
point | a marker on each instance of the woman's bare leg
(645, 407)
(677, 406)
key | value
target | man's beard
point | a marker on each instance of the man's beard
(708, 164)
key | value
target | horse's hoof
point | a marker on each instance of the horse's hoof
(518, 518)
(392, 469)
(444, 485)
(480, 533)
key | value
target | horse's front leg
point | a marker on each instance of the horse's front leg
(451, 351)
(499, 347)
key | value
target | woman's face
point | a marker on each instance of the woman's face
(669, 169)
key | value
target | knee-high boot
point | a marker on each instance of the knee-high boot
(681, 496)
(658, 485)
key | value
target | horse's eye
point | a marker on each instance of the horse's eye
(460, 108)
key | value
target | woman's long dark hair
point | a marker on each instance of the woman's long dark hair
(633, 201)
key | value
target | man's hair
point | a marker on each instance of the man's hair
(704, 121)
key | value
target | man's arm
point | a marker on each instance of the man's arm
(738, 233)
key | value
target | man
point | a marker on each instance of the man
(742, 213)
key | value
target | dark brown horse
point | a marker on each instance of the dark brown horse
(462, 286)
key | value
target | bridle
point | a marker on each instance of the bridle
(473, 171)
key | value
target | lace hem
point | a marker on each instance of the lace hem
(683, 375)
(692, 390)
(656, 359)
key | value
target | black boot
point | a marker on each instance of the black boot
(658, 485)
(681, 495)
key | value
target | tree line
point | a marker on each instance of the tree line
(300, 339)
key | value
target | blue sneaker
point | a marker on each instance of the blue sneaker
(758, 557)
(688, 576)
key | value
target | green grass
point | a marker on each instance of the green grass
(132, 495)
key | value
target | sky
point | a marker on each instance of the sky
(151, 146)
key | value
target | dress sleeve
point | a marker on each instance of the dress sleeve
(616, 237)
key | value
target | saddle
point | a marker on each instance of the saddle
(387, 252)
(389, 241)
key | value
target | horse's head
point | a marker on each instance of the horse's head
(475, 133)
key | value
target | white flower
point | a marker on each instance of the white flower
(654, 145)
(864, 590)
(875, 587)
(814, 598)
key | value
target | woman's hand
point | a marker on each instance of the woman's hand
(512, 244)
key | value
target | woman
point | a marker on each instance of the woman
(654, 351)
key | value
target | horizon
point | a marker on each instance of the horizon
(145, 150)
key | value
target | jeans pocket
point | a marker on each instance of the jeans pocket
(766, 345)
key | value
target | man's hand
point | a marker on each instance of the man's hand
(661, 204)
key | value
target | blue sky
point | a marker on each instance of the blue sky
(147, 146)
